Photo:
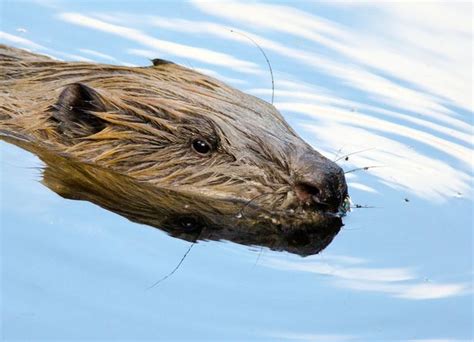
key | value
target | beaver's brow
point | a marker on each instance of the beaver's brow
(200, 127)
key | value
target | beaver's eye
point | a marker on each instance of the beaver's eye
(201, 146)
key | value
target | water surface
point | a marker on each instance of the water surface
(392, 81)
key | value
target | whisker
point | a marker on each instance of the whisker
(338, 152)
(349, 229)
(362, 168)
(264, 55)
(350, 154)
(361, 206)
(174, 270)
(258, 257)
(241, 211)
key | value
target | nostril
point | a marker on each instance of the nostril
(318, 183)
(306, 192)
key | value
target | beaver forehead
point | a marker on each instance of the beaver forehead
(183, 95)
(192, 90)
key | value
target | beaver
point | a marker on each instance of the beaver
(185, 139)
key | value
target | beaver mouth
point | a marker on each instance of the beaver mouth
(338, 210)
(338, 204)
(310, 210)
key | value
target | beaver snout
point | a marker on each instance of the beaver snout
(320, 183)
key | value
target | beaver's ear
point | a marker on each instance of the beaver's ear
(74, 111)
(158, 61)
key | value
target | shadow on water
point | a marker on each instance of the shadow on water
(187, 217)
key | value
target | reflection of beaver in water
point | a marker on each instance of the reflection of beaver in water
(172, 128)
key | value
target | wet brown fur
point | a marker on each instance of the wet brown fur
(151, 115)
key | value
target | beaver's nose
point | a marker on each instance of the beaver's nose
(320, 183)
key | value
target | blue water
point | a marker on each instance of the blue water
(347, 78)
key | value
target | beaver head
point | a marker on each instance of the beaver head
(176, 129)
(173, 127)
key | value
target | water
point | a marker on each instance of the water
(392, 80)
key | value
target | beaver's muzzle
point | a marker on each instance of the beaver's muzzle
(319, 183)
